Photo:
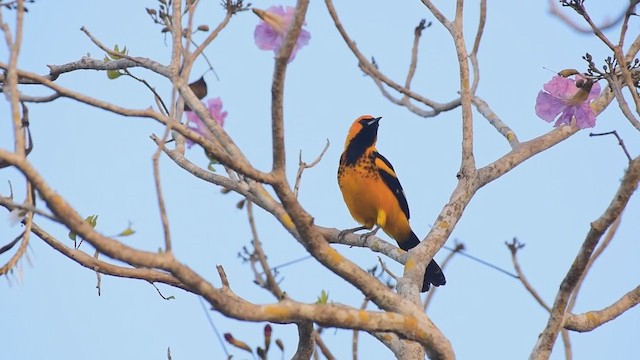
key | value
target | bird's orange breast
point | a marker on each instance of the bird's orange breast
(369, 200)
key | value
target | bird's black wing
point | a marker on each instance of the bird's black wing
(388, 175)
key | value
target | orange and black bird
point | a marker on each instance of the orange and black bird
(373, 192)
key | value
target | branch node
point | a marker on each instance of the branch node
(223, 276)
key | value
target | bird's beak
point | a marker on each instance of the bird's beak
(373, 121)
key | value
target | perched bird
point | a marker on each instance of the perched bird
(373, 193)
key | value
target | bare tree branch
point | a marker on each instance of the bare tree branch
(504, 130)
(555, 10)
(372, 71)
(596, 254)
(302, 166)
(629, 183)
(104, 267)
(592, 319)
(514, 246)
(156, 177)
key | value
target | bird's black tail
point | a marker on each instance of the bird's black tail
(433, 274)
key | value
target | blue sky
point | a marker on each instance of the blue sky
(101, 163)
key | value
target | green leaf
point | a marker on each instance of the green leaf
(128, 231)
(210, 166)
(116, 49)
(212, 161)
(323, 298)
(113, 74)
(91, 219)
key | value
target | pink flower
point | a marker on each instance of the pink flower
(270, 33)
(562, 96)
(197, 125)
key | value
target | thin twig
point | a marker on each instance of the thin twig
(160, 293)
(596, 30)
(417, 33)
(7, 203)
(483, 262)
(8, 247)
(104, 267)
(39, 99)
(555, 10)
(270, 284)
(26, 234)
(11, 85)
(514, 246)
(473, 56)
(212, 36)
(106, 49)
(372, 70)
(302, 166)
(620, 142)
(387, 270)
(11, 263)
(356, 333)
(161, 204)
(622, 102)
(223, 276)
(206, 59)
(456, 250)
(617, 49)
(622, 60)
(566, 340)
(213, 326)
(99, 278)
(151, 88)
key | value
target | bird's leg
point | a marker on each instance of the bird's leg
(365, 237)
(344, 233)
